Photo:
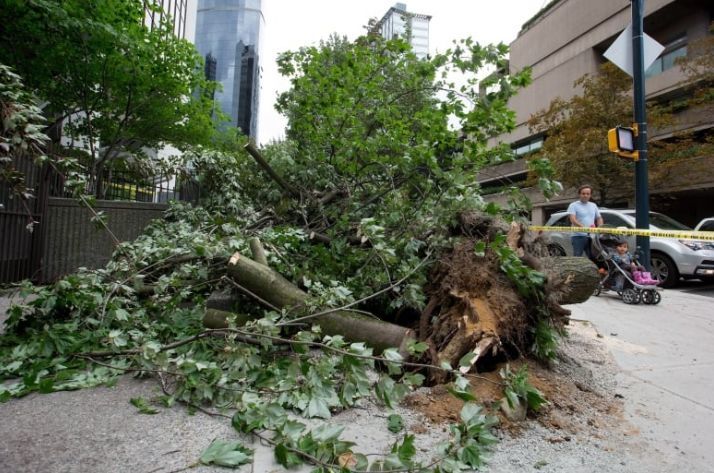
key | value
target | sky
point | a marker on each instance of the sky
(291, 24)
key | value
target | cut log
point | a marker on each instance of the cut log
(353, 326)
(571, 279)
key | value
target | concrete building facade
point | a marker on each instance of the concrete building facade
(565, 41)
(399, 23)
(228, 36)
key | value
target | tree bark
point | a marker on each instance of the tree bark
(572, 279)
(271, 172)
(353, 326)
(258, 252)
(216, 318)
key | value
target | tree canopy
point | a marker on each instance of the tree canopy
(371, 164)
(111, 84)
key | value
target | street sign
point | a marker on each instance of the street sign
(620, 52)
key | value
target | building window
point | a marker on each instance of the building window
(672, 50)
(528, 147)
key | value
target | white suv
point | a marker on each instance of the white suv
(671, 258)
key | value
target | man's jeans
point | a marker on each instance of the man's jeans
(581, 243)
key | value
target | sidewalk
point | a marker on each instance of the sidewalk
(666, 353)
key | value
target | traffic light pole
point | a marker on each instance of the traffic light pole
(642, 205)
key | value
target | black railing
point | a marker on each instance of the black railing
(158, 188)
(128, 186)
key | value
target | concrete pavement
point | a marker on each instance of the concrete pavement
(666, 353)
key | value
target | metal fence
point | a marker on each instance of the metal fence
(23, 222)
(19, 224)
(133, 187)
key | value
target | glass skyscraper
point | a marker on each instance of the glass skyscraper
(228, 36)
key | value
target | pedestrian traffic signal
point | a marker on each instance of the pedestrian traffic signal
(621, 141)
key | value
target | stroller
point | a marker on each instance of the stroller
(638, 286)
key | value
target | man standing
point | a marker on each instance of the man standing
(583, 213)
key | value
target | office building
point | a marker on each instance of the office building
(399, 23)
(565, 41)
(157, 10)
(228, 36)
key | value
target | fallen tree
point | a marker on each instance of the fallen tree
(473, 305)
(370, 242)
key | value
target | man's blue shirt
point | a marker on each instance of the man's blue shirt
(585, 213)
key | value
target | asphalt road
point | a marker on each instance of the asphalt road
(695, 286)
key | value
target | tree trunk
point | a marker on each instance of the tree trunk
(572, 279)
(354, 326)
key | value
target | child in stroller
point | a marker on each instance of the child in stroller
(620, 272)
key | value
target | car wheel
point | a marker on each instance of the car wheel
(664, 269)
(555, 250)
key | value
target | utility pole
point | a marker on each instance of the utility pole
(642, 204)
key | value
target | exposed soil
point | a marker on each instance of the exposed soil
(579, 403)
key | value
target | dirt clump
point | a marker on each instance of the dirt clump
(579, 388)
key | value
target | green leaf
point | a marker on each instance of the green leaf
(362, 462)
(292, 429)
(414, 379)
(512, 398)
(406, 450)
(327, 432)
(393, 360)
(385, 391)
(143, 407)
(480, 248)
(535, 399)
(226, 453)
(471, 455)
(417, 348)
(318, 407)
(445, 365)
(46, 386)
(395, 423)
(463, 395)
(286, 457)
(121, 315)
(469, 412)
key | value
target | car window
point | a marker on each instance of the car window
(614, 220)
(707, 226)
(563, 221)
(665, 222)
(661, 221)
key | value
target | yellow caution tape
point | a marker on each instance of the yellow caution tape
(681, 235)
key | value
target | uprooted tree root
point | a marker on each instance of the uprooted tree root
(476, 306)
(477, 303)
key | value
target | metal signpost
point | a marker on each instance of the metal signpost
(632, 52)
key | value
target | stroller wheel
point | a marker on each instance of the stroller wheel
(631, 296)
(651, 297)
